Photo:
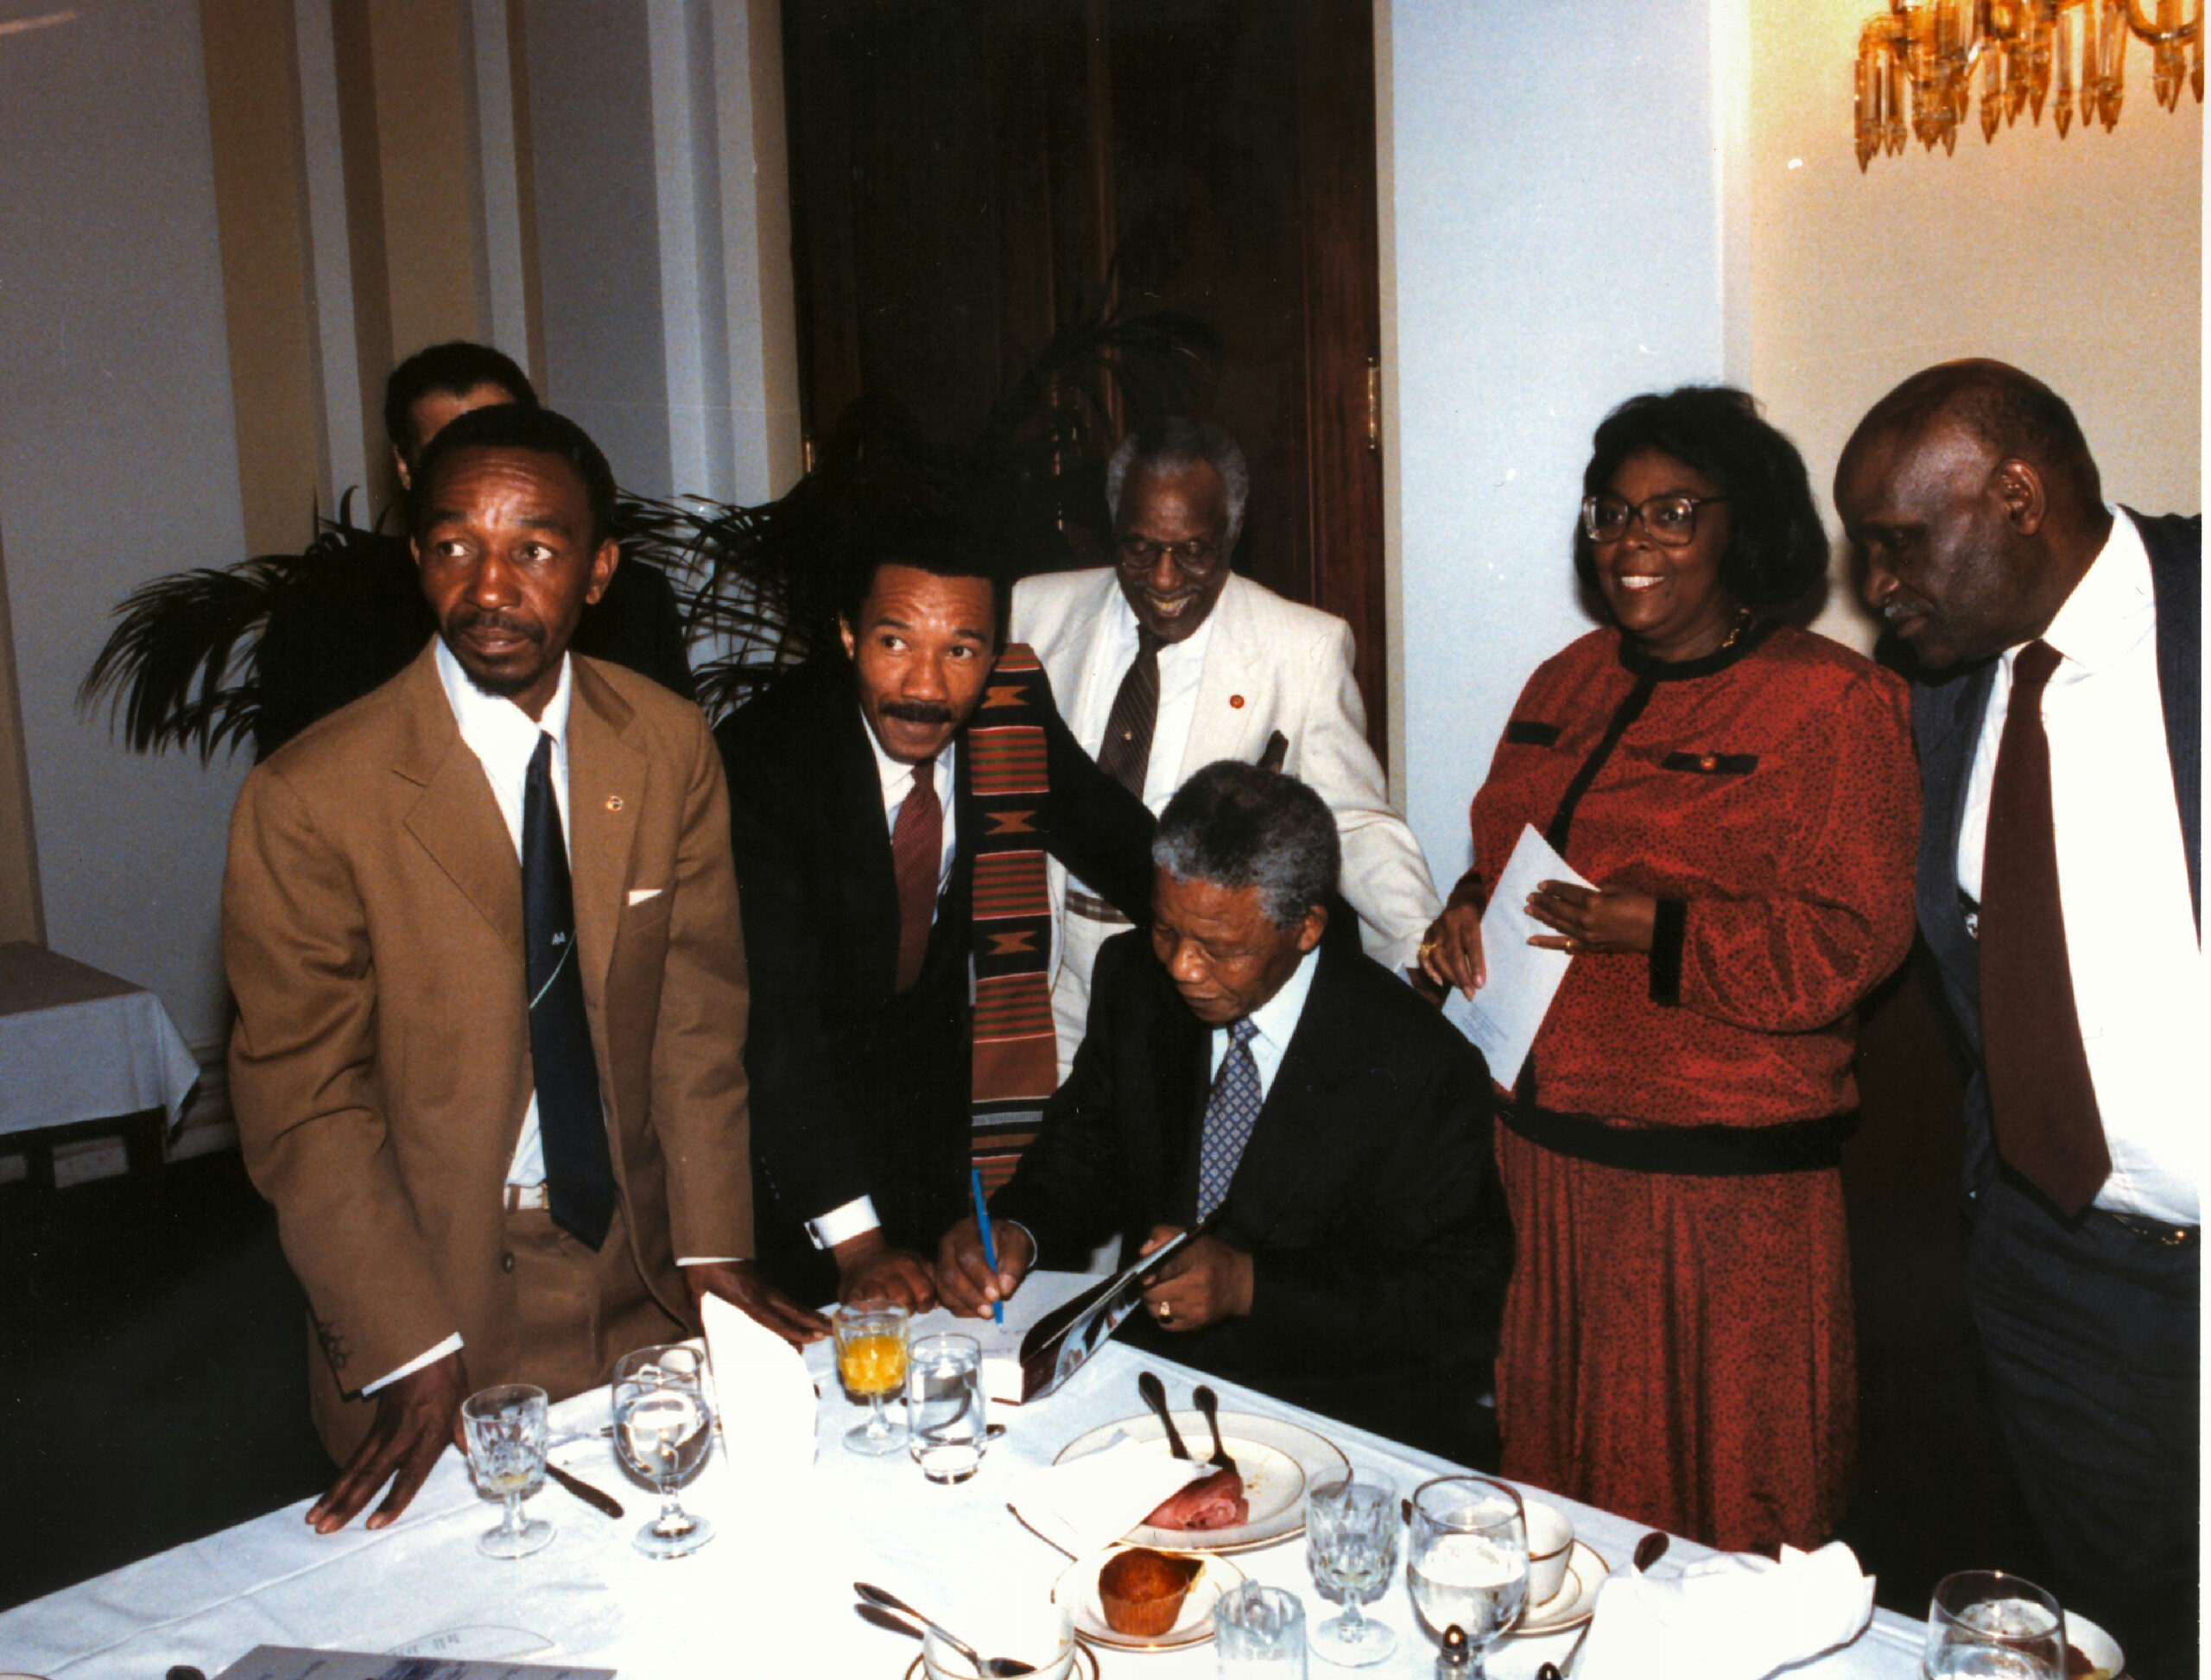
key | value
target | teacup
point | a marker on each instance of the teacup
(1042, 1633)
(1550, 1540)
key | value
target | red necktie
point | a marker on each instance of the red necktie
(917, 859)
(2047, 1127)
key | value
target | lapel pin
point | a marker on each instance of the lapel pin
(614, 802)
(1237, 701)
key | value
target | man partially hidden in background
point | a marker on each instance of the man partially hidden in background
(482, 929)
(2059, 718)
(1327, 1122)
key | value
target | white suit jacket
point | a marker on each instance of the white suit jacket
(1271, 665)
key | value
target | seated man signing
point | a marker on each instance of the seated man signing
(1330, 1127)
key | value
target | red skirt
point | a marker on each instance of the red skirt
(1680, 1350)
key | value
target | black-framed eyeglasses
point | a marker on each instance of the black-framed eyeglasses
(1671, 520)
(1194, 559)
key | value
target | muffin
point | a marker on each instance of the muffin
(1141, 1590)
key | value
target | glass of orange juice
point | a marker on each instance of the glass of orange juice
(871, 1361)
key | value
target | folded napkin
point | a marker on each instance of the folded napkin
(1093, 1500)
(1728, 1617)
(763, 1395)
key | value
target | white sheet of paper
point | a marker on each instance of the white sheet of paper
(1502, 1018)
(764, 1395)
(1039, 1293)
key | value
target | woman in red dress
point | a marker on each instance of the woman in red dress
(1677, 1343)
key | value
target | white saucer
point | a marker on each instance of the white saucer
(1574, 1603)
(2097, 1647)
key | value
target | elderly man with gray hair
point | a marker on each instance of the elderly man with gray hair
(1326, 1128)
(1167, 659)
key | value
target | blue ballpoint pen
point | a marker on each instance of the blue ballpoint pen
(990, 1246)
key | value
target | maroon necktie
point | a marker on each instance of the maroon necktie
(2048, 1128)
(1125, 753)
(917, 859)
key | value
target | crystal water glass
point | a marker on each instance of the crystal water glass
(663, 1429)
(1467, 1562)
(1258, 1633)
(1351, 1546)
(1985, 1624)
(506, 1432)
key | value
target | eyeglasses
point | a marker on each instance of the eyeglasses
(1671, 520)
(1194, 559)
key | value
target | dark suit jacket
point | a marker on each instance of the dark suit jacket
(1946, 718)
(859, 1090)
(344, 626)
(1366, 1196)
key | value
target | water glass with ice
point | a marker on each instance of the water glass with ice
(1985, 1624)
(946, 1420)
(1467, 1565)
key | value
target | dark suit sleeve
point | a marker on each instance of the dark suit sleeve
(1424, 1264)
(1094, 826)
(1068, 1186)
(803, 1095)
(637, 625)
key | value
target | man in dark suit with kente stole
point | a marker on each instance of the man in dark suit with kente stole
(2059, 719)
(1326, 1127)
(892, 802)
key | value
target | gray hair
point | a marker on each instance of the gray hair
(1235, 825)
(1175, 445)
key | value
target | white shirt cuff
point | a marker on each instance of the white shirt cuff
(855, 1218)
(450, 1345)
(711, 1260)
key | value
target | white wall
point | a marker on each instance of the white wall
(117, 463)
(1551, 227)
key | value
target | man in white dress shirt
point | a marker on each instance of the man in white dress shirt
(2059, 721)
(481, 929)
(1167, 661)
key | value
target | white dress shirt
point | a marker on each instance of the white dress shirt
(1181, 666)
(2138, 977)
(858, 1217)
(1276, 1020)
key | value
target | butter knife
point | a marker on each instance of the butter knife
(583, 1490)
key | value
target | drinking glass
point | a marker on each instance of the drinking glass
(1351, 1545)
(1468, 1563)
(871, 1360)
(946, 1419)
(663, 1428)
(506, 1433)
(1260, 1633)
(1990, 1625)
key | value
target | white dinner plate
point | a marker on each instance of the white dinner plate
(1077, 1590)
(2097, 1647)
(1279, 1461)
(1574, 1603)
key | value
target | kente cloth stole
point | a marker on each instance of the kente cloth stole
(1015, 1056)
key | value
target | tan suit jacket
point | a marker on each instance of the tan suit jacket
(372, 929)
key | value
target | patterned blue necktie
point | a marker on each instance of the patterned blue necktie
(1230, 1113)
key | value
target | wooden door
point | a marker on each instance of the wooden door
(964, 171)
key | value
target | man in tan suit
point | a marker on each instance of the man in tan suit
(500, 1110)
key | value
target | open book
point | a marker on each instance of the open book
(1053, 1323)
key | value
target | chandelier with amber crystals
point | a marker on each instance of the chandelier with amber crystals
(1918, 62)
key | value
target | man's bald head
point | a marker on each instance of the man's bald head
(1973, 506)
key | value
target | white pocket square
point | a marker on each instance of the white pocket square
(638, 895)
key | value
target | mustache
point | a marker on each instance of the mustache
(916, 711)
(469, 618)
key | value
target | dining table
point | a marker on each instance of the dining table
(770, 1595)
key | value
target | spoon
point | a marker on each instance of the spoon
(1209, 1403)
(1648, 1550)
(995, 1668)
(1155, 1396)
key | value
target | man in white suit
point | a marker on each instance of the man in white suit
(1167, 661)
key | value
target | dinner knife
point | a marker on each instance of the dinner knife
(604, 1503)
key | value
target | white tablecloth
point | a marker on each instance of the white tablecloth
(775, 1584)
(77, 1044)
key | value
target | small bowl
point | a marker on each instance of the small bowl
(1040, 1633)
(1550, 1543)
(2097, 1647)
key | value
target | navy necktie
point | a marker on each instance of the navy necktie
(1231, 1111)
(578, 1172)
